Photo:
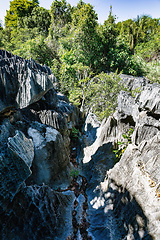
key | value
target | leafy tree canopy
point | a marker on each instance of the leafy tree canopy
(19, 9)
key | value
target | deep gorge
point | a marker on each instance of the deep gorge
(57, 185)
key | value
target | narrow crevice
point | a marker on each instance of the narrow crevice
(80, 223)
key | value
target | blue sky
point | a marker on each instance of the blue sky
(123, 9)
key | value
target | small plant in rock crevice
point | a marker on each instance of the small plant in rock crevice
(135, 91)
(123, 145)
(74, 173)
(75, 133)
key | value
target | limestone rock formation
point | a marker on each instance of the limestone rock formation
(35, 126)
(111, 188)
(37, 212)
(126, 196)
(26, 81)
(51, 161)
(23, 147)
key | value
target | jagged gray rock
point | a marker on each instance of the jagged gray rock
(51, 162)
(33, 153)
(38, 212)
(15, 162)
(23, 147)
(13, 173)
(26, 81)
(138, 173)
(127, 196)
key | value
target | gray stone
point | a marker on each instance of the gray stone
(13, 173)
(51, 163)
(53, 119)
(62, 97)
(90, 129)
(23, 147)
(124, 197)
(26, 81)
(150, 99)
(38, 212)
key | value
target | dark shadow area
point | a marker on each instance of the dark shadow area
(120, 216)
(101, 161)
(151, 114)
(91, 134)
(36, 212)
(128, 119)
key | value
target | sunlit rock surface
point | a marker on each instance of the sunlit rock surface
(124, 197)
(26, 81)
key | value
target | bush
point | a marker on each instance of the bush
(102, 94)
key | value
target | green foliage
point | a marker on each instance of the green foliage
(18, 10)
(39, 19)
(37, 49)
(152, 70)
(102, 94)
(75, 96)
(60, 13)
(60, 17)
(138, 31)
(75, 133)
(74, 173)
(81, 52)
(123, 145)
(135, 91)
(149, 50)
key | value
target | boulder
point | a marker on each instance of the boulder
(51, 162)
(26, 81)
(23, 147)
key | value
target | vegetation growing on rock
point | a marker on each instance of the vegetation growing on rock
(71, 42)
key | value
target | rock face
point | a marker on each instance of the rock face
(126, 195)
(26, 81)
(23, 147)
(35, 126)
(119, 196)
(51, 161)
(37, 212)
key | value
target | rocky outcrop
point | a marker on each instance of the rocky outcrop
(35, 126)
(26, 81)
(43, 191)
(37, 212)
(126, 194)
(23, 147)
(51, 162)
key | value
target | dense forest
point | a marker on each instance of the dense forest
(86, 57)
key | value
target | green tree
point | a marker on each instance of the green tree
(138, 30)
(79, 93)
(108, 35)
(17, 11)
(39, 18)
(60, 16)
(1, 37)
(102, 94)
(84, 32)
(37, 49)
